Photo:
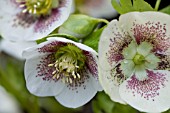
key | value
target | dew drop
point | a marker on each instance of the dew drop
(125, 61)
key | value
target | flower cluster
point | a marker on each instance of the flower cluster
(133, 60)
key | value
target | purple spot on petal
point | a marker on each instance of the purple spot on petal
(91, 63)
(153, 32)
(147, 89)
(24, 19)
(45, 22)
(44, 71)
(117, 43)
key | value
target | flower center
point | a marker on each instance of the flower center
(138, 59)
(69, 64)
(38, 7)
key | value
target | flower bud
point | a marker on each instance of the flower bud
(79, 25)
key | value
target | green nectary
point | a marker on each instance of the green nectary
(138, 59)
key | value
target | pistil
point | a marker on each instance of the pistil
(38, 7)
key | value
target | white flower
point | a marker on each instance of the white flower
(8, 103)
(134, 60)
(62, 68)
(96, 8)
(31, 19)
(15, 49)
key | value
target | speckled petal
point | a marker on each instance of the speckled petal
(35, 82)
(110, 85)
(151, 95)
(74, 97)
(112, 42)
(152, 27)
(24, 27)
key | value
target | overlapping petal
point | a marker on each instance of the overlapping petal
(151, 95)
(15, 49)
(41, 82)
(25, 27)
(142, 77)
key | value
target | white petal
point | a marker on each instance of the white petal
(15, 48)
(33, 51)
(80, 45)
(8, 103)
(110, 85)
(96, 84)
(35, 29)
(73, 98)
(108, 58)
(151, 95)
(152, 27)
(36, 85)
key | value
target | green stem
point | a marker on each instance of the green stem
(103, 20)
(157, 4)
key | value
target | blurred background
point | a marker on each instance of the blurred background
(14, 96)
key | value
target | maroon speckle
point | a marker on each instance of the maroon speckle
(24, 19)
(147, 89)
(45, 71)
(51, 47)
(45, 22)
(117, 43)
(91, 63)
(154, 33)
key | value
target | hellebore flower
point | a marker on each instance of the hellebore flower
(96, 8)
(15, 49)
(134, 60)
(62, 68)
(8, 103)
(25, 20)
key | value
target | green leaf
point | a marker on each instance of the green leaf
(166, 10)
(62, 35)
(93, 39)
(120, 108)
(126, 6)
(102, 104)
(79, 25)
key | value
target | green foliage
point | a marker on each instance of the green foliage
(12, 79)
(102, 104)
(79, 25)
(126, 6)
(93, 39)
(166, 10)
(120, 108)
